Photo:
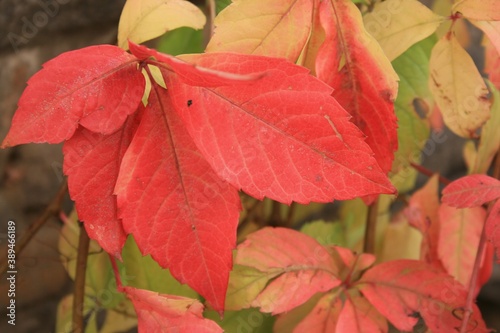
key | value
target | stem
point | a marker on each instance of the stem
(371, 227)
(118, 279)
(275, 220)
(429, 173)
(209, 27)
(291, 213)
(81, 269)
(52, 209)
(479, 256)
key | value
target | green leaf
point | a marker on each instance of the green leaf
(413, 70)
(248, 321)
(143, 272)
(181, 41)
(221, 4)
(326, 233)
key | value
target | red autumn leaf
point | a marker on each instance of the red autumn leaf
(493, 227)
(92, 162)
(364, 82)
(306, 150)
(96, 87)
(169, 313)
(176, 207)
(459, 234)
(472, 190)
(299, 265)
(403, 290)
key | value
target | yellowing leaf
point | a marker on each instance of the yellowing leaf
(142, 20)
(490, 137)
(490, 29)
(397, 25)
(278, 28)
(458, 88)
(487, 10)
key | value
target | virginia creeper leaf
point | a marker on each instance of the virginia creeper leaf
(176, 207)
(460, 230)
(359, 316)
(458, 88)
(142, 20)
(402, 290)
(278, 28)
(96, 87)
(397, 24)
(487, 10)
(472, 190)
(492, 30)
(493, 226)
(323, 154)
(301, 269)
(169, 313)
(365, 84)
(92, 162)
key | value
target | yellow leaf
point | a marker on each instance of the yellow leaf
(485, 10)
(278, 28)
(490, 137)
(142, 20)
(397, 25)
(457, 87)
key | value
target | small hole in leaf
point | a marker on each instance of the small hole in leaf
(189, 102)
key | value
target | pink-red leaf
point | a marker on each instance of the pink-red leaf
(403, 290)
(169, 313)
(364, 82)
(96, 87)
(472, 190)
(283, 137)
(92, 162)
(303, 267)
(176, 207)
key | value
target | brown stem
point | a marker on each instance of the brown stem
(291, 213)
(209, 27)
(52, 209)
(81, 269)
(249, 216)
(118, 279)
(275, 220)
(371, 227)
(429, 173)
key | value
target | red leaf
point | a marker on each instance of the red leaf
(472, 190)
(303, 267)
(304, 150)
(358, 316)
(352, 62)
(169, 313)
(493, 227)
(92, 162)
(402, 290)
(96, 87)
(176, 207)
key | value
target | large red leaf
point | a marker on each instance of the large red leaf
(176, 207)
(364, 82)
(472, 190)
(92, 162)
(169, 313)
(283, 137)
(403, 290)
(96, 87)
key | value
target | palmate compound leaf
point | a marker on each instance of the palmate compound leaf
(169, 313)
(277, 264)
(173, 203)
(143, 20)
(96, 87)
(471, 191)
